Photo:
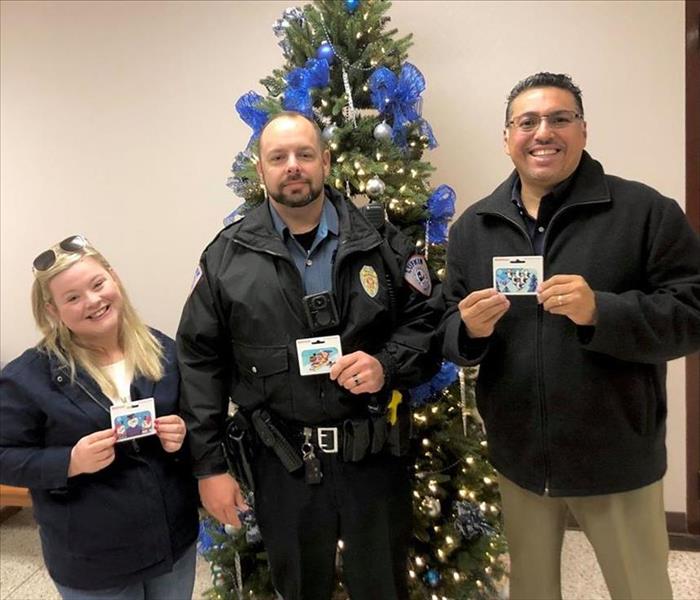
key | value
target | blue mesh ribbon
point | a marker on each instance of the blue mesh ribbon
(297, 96)
(441, 208)
(424, 393)
(400, 96)
(254, 117)
(470, 521)
(209, 530)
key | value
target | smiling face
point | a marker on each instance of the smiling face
(87, 300)
(546, 156)
(292, 163)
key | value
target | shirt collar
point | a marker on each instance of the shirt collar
(328, 222)
(558, 192)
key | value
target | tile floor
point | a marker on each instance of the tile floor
(23, 576)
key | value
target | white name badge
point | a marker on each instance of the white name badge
(134, 419)
(317, 355)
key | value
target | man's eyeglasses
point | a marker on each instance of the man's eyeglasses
(559, 119)
(71, 245)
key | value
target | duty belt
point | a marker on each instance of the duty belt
(352, 440)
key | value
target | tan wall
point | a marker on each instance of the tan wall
(117, 121)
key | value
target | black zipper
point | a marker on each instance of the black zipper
(539, 367)
(539, 360)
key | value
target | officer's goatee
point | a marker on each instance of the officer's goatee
(294, 201)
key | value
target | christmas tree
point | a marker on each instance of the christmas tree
(345, 68)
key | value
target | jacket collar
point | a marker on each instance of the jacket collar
(587, 186)
(85, 394)
(257, 230)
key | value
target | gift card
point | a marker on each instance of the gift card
(517, 275)
(317, 355)
(134, 419)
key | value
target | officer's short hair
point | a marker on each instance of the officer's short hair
(290, 114)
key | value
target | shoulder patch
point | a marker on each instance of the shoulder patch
(196, 278)
(417, 275)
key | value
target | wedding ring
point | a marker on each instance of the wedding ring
(559, 300)
(356, 379)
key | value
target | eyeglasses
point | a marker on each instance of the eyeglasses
(71, 245)
(559, 119)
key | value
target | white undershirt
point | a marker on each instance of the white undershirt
(117, 372)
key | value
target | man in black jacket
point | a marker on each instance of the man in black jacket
(572, 379)
(307, 265)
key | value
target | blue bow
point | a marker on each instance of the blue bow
(400, 96)
(441, 208)
(247, 107)
(297, 96)
(424, 393)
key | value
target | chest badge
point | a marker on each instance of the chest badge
(369, 280)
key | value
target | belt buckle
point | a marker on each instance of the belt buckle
(327, 438)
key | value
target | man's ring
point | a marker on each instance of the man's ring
(356, 379)
(559, 300)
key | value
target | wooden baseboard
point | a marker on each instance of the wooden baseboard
(14, 496)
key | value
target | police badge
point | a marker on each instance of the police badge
(369, 280)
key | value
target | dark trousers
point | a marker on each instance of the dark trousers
(367, 505)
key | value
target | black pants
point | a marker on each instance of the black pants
(365, 504)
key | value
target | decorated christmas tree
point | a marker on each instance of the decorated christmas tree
(346, 69)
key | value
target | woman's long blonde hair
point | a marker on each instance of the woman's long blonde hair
(143, 353)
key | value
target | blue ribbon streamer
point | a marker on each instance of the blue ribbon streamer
(424, 393)
(254, 117)
(300, 81)
(441, 208)
(400, 96)
(209, 529)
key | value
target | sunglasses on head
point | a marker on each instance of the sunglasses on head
(71, 245)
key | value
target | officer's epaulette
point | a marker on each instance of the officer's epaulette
(233, 218)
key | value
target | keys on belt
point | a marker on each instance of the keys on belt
(326, 439)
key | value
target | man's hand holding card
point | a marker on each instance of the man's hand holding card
(481, 310)
(569, 296)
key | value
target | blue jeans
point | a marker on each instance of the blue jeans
(176, 585)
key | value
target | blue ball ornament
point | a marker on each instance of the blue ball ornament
(432, 577)
(352, 5)
(325, 50)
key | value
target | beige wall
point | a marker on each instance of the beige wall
(117, 121)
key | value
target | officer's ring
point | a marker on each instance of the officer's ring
(356, 379)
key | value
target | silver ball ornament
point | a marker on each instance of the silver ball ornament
(431, 506)
(382, 132)
(230, 529)
(329, 132)
(375, 187)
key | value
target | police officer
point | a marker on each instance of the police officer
(304, 266)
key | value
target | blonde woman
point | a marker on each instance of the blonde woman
(118, 520)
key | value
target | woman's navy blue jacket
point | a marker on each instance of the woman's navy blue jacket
(128, 522)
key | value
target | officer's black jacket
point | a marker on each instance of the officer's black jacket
(239, 326)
